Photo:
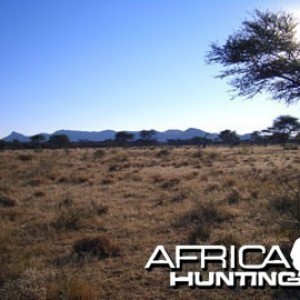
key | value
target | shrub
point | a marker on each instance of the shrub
(43, 171)
(228, 239)
(113, 168)
(71, 289)
(99, 154)
(68, 218)
(25, 157)
(73, 216)
(179, 197)
(163, 153)
(205, 214)
(286, 206)
(84, 156)
(39, 193)
(229, 182)
(213, 155)
(198, 154)
(157, 178)
(7, 202)
(202, 220)
(201, 232)
(233, 197)
(212, 186)
(106, 181)
(170, 184)
(30, 285)
(1, 279)
(286, 201)
(100, 247)
(101, 209)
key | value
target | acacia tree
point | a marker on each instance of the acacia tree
(147, 134)
(283, 128)
(257, 138)
(37, 139)
(264, 55)
(59, 141)
(229, 137)
(122, 137)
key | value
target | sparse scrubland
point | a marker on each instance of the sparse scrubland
(82, 223)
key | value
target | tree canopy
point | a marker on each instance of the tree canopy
(122, 137)
(263, 56)
(37, 138)
(59, 140)
(286, 124)
(147, 134)
(229, 137)
(283, 128)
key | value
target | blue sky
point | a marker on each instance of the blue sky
(123, 65)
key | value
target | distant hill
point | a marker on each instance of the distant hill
(93, 136)
(245, 137)
(16, 136)
(183, 135)
(22, 138)
(98, 136)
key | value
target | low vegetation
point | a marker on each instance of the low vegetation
(82, 223)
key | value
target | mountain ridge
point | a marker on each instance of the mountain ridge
(99, 136)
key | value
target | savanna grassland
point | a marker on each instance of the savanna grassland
(82, 223)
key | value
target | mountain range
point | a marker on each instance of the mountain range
(97, 136)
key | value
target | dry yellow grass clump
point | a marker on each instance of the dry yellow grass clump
(82, 223)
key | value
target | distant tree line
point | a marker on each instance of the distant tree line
(284, 131)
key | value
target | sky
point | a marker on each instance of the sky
(124, 65)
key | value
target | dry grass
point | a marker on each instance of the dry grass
(82, 223)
